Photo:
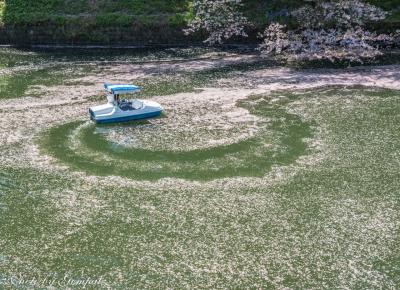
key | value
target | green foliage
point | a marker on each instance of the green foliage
(386, 4)
(101, 12)
(178, 20)
(113, 19)
(28, 11)
(106, 13)
(2, 5)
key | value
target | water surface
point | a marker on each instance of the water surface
(266, 189)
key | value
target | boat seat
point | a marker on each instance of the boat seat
(137, 104)
(125, 107)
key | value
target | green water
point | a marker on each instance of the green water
(310, 200)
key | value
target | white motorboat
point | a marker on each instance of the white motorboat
(117, 110)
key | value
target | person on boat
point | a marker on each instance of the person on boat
(117, 98)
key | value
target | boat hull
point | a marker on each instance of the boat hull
(140, 116)
(124, 111)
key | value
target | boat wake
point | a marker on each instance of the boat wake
(86, 147)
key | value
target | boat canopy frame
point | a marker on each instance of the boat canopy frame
(121, 89)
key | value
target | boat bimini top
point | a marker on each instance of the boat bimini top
(121, 89)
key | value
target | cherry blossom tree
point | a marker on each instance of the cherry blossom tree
(324, 29)
(221, 19)
(332, 30)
